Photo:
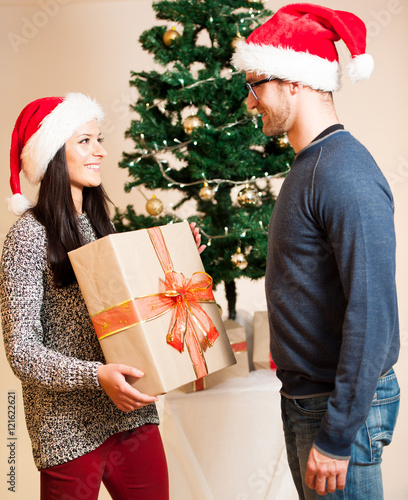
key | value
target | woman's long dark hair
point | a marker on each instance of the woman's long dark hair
(56, 211)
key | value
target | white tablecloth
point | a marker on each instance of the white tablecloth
(226, 443)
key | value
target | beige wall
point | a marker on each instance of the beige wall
(49, 47)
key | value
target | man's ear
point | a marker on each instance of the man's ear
(295, 87)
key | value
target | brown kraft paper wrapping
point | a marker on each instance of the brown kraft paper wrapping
(261, 354)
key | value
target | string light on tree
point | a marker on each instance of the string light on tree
(154, 206)
(170, 36)
(239, 260)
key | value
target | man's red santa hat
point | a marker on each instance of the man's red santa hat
(42, 128)
(297, 44)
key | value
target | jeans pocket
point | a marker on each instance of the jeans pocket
(388, 390)
(312, 407)
(380, 427)
(383, 415)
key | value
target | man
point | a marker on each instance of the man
(330, 277)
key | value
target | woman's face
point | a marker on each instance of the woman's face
(84, 153)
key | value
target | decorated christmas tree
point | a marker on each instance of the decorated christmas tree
(195, 136)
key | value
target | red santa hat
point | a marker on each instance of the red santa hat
(297, 44)
(42, 128)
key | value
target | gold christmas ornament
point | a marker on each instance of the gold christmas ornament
(191, 123)
(248, 196)
(239, 260)
(206, 193)
(283, 141)
(236, 40)
(154, 206)
(170, 36)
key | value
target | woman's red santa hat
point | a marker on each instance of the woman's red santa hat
(297, 44)
(42, 128)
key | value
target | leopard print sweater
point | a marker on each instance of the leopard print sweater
(52, 348)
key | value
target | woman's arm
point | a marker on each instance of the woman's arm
(22, 309)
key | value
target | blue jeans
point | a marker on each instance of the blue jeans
(301, 423)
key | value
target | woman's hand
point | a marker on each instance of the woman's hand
(197, 237)
(112, 379)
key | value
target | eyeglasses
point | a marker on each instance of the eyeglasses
(260, 82)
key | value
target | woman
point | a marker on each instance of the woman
(86, 423)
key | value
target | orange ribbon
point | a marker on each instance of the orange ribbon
(199, 384)
(190, 325)
(238, 347)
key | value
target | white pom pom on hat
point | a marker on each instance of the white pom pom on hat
(298, 44)
(360, 67)
(42, 128)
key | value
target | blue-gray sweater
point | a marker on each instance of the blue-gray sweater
(330, 283)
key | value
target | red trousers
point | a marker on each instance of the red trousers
(132, 466)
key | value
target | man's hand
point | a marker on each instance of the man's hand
(197, 237)
(112, 379)
(325, 474)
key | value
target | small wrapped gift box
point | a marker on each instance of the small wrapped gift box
(152, 305)
(262, 354)
(237, 337)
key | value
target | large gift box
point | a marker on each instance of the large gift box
(152, 306)
(261, 351)
(237, 338)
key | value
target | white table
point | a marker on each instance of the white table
(226, 443)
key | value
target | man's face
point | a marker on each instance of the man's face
(272, 103)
